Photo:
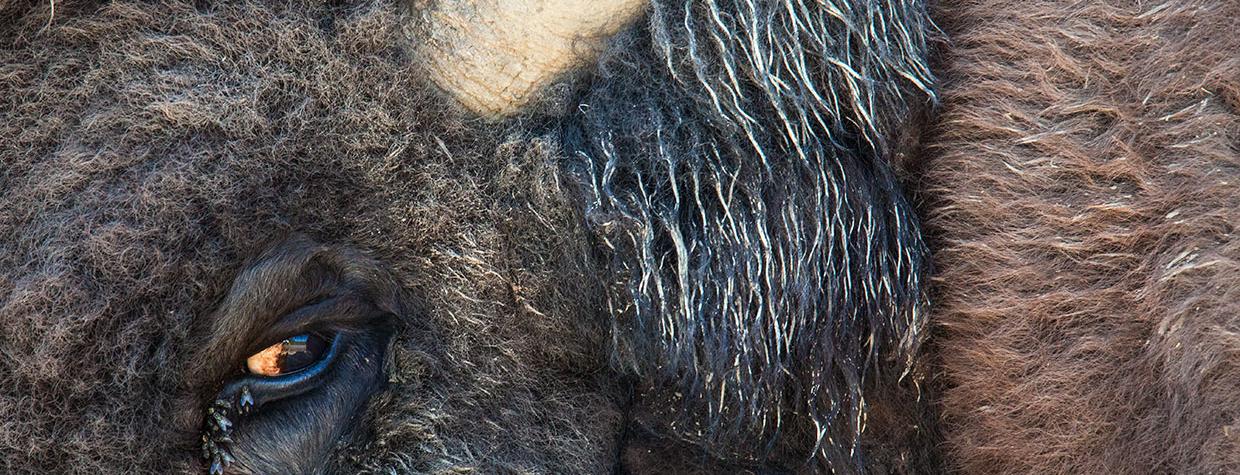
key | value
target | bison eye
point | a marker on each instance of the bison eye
(299, 345)
(289, 356)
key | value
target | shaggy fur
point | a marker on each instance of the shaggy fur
(1082, 198)
(149, 149)
(767, 264)
(755, 254)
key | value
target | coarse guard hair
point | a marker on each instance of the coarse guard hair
(736, 155)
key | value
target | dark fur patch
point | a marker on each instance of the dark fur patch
(766, 263)
(149, 149)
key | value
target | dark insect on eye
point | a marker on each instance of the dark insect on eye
(289, 356)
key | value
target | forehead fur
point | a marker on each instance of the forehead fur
(149, 149)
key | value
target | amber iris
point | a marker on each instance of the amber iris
(289, 356)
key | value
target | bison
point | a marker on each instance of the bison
(620, 236)
(538, 236)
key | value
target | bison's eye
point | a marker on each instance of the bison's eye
(289, 356)
(300, 344)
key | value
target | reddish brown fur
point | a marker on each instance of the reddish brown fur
(1084, 196)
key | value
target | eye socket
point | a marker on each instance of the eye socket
(289, 356)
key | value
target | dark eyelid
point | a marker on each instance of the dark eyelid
(330, 315)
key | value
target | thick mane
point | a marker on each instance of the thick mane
(766, 263)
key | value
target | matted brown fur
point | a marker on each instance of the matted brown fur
(148, 149)
(1083, 197)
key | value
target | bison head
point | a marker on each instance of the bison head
(527, 236)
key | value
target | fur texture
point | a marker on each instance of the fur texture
(149, 149)
(733, 233)
(1082, 198)
(767, 265)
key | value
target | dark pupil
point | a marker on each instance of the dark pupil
(298, 352)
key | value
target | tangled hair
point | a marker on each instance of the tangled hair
(1082, 203)
(148, 149)
(766, 264)
(760, 262)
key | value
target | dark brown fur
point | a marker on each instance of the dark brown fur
(149, 149)
(1083, 199)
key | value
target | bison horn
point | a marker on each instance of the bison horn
(494, 56)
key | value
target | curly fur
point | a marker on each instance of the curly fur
(148, 149)
(1082, 202)
(767, 264)
(753, 242)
